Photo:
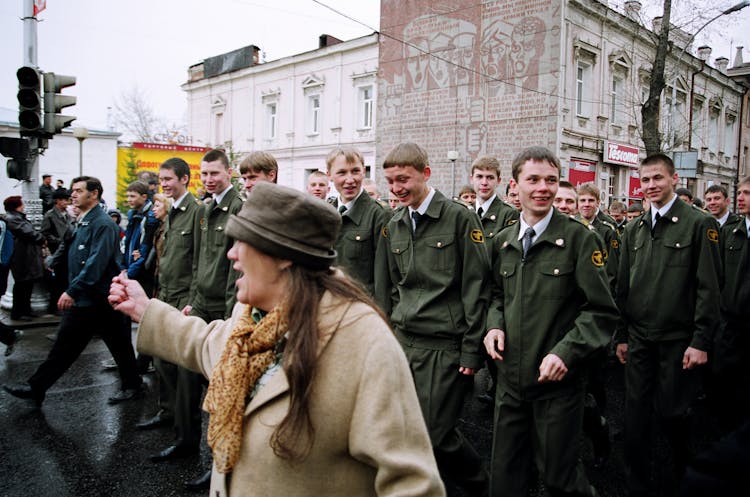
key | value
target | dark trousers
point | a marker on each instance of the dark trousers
(77, 327)
(56, 285)
(7, 334)
(21, 299)
(547, 430)
(441, 390)
(656, 386)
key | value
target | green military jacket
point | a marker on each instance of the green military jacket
(439, 276)
(608, 233)
(557, 301)
(181, 241)
(361, 248)
(214, 278)
(498, 217)
(735, 292)
(668, 282)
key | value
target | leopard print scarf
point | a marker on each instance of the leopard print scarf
(247, 354)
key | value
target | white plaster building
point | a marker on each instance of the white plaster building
(297, 108)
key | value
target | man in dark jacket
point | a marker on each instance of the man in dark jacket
(26, 263)
(92, 261)
(45, 193)
(55, 225)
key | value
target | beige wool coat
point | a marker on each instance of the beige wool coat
(370, 436)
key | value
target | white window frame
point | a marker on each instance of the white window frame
(314, 113)
(713, 129)
(584, 74)
(271, 118)
(366, 106)
(729, 143)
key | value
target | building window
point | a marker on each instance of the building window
(365, 107)
(219, 129)
(618, 96)
(271, 123)
(713, 130)
(314, 114)
(729, 136)
(583, 89)
(696, 131)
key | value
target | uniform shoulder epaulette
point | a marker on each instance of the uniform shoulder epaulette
(575, 219)
(608, 224)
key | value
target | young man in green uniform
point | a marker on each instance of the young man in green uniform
(438, 266)
(213, 292)
(179, 388)
(548, 313)
(668, 295)
(589, 199)
(494, 213)
(256, 167)
(732, 344)
(361, 248)
(717, 204)
(566, 199)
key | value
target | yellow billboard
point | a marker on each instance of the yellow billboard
(140, 157)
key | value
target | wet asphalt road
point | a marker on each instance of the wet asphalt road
(78, 445)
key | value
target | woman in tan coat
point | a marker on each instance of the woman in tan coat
(310, 394)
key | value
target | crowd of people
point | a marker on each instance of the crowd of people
(340, 334)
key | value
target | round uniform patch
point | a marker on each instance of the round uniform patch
(477, 236)
(384, 232)
(597, 258)
(713, 235)
(615, 244)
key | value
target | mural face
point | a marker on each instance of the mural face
(475, 76)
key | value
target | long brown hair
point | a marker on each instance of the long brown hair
(293, 437)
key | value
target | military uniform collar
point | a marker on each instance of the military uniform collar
(539, 228)
(486, 206)
(178, 203)
(355, 209)
(219, 199)
(424, 207)
(664, 211)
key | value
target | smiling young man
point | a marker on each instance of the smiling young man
(717, 204)
(362, 251)
(493, 212)
(566, 199)
(550, 304)
(668, 295)
(256, 167)
(438, 267)
(317, 185)
(589, 199)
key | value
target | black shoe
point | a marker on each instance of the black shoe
(17, 335)
(155, 422)
(25, 392)
(175, 452)
(125, 395)
(200, 483)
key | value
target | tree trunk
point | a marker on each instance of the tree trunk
(652, 107)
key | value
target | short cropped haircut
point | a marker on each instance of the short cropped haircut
(655, 159)
(635, 207)
(216, 154)
(684, 191)
(317, 174)
(717, 189)
(138, 187)
(92, 184)
(588, 189)
(351, 155)
(567, 184)
(178, 166)
(486, 163)
(407, 154)
(467, 189)
(534, 154)
(617, 206)
(259, 162)
(744, 180)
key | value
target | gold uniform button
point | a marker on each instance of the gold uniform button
(677, 245)
(358, 238)
(490, 235)
(492, 217)
(398, 251)
(675, 219)
(556, 272)
(439, 244)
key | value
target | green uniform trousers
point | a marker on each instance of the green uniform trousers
(548, 429)
(442, 390)
(655, 383)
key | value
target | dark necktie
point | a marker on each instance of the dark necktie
(416, 216)
(342, 209)
(526, 241)
(480, 212)
(656, 220)
(172, 213)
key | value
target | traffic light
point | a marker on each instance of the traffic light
(19, 164)
(30, 101)
(54, 103)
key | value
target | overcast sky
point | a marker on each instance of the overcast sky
(113, 46)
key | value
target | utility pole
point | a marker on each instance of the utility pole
(30, 189)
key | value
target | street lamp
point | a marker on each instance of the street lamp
(452, 156)
(81, 134)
